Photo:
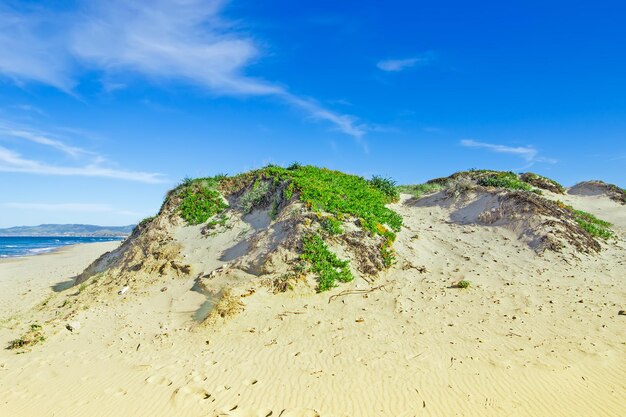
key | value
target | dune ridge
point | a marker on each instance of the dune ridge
(538, 332)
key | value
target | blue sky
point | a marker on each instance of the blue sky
(104, 105)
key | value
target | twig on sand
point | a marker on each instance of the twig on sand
(349, 292)
(286, 313)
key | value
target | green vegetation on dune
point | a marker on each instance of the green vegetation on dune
(463, 284)
(332, 192)
(507, 180)
(385, 185)
(32, 337)
(252, 198)
(542, 182)
(483, 177)
(324, 263)
(588, 222)
(333, 195)
(331, 225)
(200, 200)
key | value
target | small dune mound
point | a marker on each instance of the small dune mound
(504, 199)
(595, 188)
(542, 182)
(277, 227)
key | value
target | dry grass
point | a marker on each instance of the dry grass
(228, 306)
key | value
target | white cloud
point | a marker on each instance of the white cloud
(42, 138)
(32, 49)
(11, 161)
(527, 153)
(397, 65)
(89, 164)
(182, 40)
(345, 123)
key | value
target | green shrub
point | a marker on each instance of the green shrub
(328, 191)
(463, 284)
(146, 220)
(387, 186)
(590, 223)
(200, 202)
(508, 180)
(542, 182)
(328, 267)
(185, 182)
(253, 197)
(331, 225)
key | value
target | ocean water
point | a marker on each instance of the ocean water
(25, 246)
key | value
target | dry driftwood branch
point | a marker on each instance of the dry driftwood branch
(349, 292)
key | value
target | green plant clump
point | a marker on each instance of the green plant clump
(542, 182)
(254, 196)
(591, 224)
(32, 337)
(463, 284)
(341, 194)
(199, 202)
(146, 220)
(331, 225)
(328, 267)
(332, 192)
(508, 180)
(328, 191)
(387, 186)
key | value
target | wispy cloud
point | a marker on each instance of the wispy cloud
(345, 123)
(84, 162)
(163, 40)
(41, 138)
(397, 65)
(527, 153)
(11, 161)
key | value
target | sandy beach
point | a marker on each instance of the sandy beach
(26, 281)
(534, 335)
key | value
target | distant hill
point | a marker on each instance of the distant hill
(87, 230)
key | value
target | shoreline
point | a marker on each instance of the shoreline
(56, 249)
(26, 280)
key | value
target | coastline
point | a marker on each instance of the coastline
(26, 280)
(55, 249)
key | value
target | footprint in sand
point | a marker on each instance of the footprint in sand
(119, 392)
(187, 391)
(299, 413)
(159, 380)
(236, 411)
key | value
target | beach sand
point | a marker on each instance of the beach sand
(26, 281)
(533, 335)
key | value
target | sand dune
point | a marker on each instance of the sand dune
(534, 334)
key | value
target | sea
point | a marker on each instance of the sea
(26, 246)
